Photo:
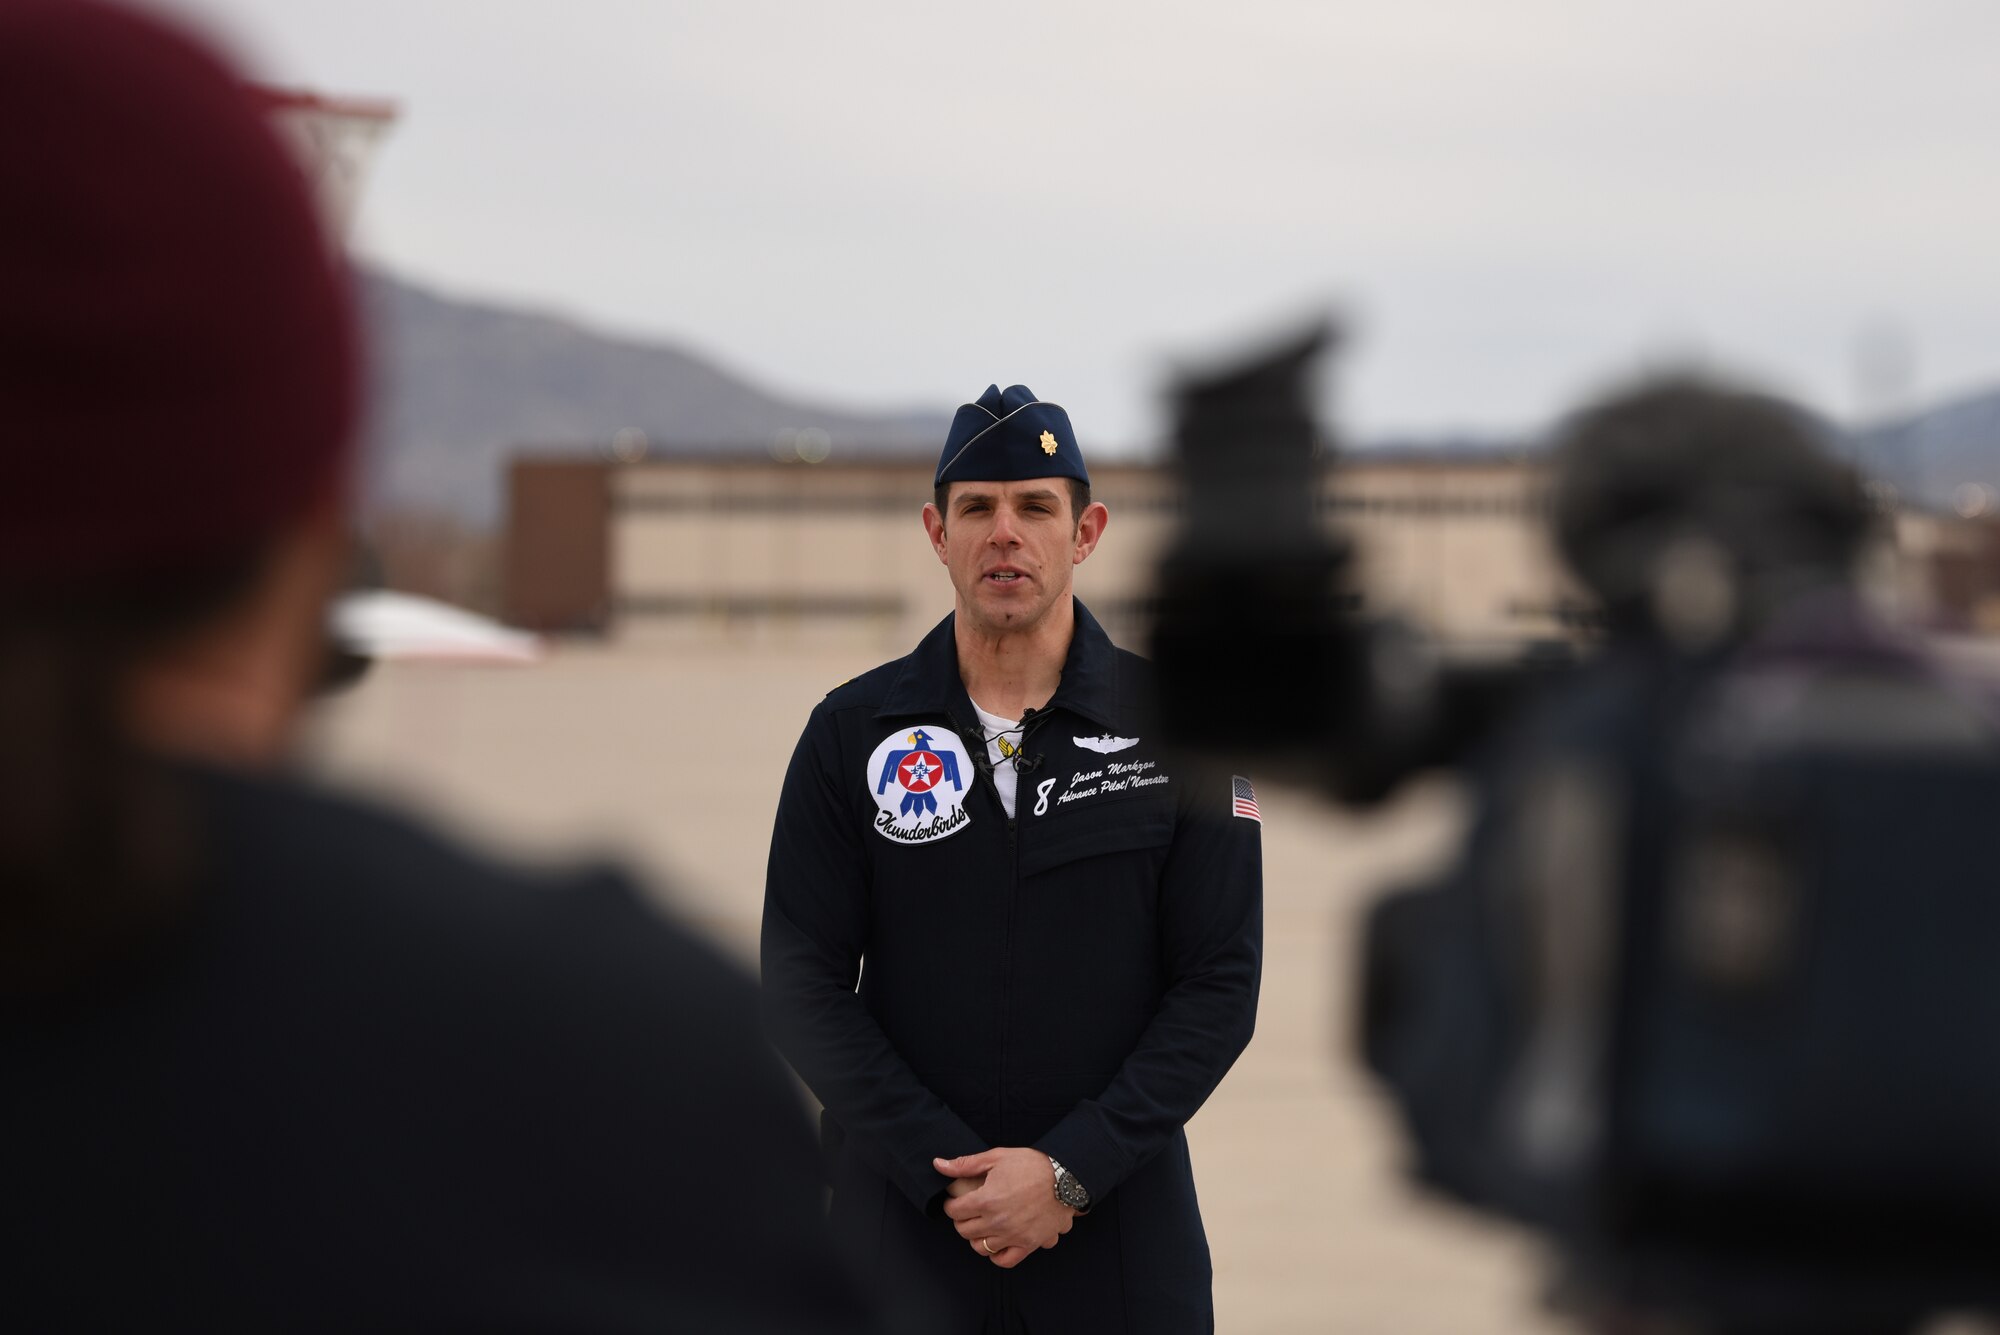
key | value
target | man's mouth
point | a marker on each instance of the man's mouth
(1005, 576)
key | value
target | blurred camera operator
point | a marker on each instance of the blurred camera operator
(1708, 997)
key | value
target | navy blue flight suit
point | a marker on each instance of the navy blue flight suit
(1076, 979)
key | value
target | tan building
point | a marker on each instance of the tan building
(732, 551)
(701, 550)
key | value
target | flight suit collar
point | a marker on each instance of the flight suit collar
(929, 680)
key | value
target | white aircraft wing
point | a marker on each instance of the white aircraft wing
(383, 625)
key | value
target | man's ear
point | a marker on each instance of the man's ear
(934, 526)
(1089, 529)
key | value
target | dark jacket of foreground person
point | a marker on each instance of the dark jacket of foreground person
(372, 1083)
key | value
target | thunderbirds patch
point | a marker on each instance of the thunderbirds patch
(919, 781)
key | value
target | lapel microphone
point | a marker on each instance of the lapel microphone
(975, 747)
(1030, 720)
(976, 742)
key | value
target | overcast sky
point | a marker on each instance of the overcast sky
(882, 204)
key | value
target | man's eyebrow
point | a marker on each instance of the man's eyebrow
(966, 498)
(1041, 495)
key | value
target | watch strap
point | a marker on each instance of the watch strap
(1069, 1189)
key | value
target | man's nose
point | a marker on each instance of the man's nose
(1004, 532)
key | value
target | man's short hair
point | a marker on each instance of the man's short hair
(1079, 499)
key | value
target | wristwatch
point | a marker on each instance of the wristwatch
(1068, 1190)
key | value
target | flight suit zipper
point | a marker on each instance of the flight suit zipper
(1007, 958)
(1003, 1283)
(976, 738)
(1006, 1009)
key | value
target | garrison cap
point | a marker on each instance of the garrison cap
(1010, 437)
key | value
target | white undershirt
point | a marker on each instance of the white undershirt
(1001, 732)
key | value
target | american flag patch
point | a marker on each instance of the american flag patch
(1243, 799)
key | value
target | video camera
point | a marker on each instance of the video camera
(1712, 995)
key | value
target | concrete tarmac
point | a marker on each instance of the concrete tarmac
(670, 761)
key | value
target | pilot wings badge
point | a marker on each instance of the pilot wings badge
(919, 782)
(1105, 743)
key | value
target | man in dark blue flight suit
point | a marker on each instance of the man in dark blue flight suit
(1061, 929)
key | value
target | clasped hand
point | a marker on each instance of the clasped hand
(1003, 1203)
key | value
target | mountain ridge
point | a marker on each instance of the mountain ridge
(459, 386)
(462, 385)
